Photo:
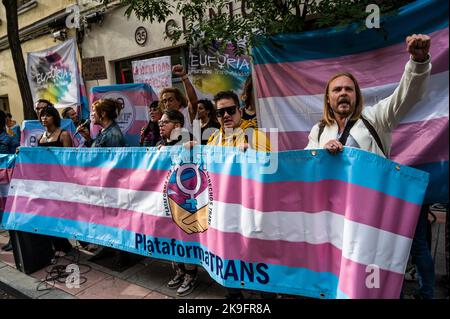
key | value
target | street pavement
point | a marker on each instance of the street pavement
(147, 278)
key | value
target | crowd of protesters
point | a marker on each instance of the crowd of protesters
(183, 119)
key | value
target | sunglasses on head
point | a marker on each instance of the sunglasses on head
(231, 110)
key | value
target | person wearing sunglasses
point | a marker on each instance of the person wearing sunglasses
(234, 130)
(171, 130)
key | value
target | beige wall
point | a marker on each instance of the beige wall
(8, 79)
(114, 40)
(43, 9)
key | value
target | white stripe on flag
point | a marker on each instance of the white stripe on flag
(360, 243)
(300, 113)
(141, 113)
(150, 203)
(371, 246)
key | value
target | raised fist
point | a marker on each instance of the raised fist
(178, 70)
(418, 45)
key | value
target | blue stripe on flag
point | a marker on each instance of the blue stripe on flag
(437, 191)
(121, 87)
(303, 46)
(104, 157)
(314, 283)
(7, 160)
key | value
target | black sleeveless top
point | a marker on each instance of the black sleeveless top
(56, 143)
(247, 116)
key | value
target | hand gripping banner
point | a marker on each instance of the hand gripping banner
(321, 226)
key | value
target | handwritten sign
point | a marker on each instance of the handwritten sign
(156, 72)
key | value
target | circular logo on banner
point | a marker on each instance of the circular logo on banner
(33, 136)
(188, 197)
(127, 116)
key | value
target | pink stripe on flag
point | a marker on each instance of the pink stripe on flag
(354, 276)
(309, 197)
(294, 140)
(136, 128)
(360, 204)
(317, 257)
(138, 98)
(310, 77)
(133, 179)
(421, 142)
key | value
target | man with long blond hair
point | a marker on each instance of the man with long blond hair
(345, 122)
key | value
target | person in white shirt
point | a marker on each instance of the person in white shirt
(343, 106)
(346, 123)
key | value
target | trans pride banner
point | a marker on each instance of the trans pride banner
(32, 130)
(321, 226)
(6, 170)
(291, 79)
(135, 97)
(53, 74)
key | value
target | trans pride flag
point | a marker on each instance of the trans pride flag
(6, 170)
(321, 226)
(291, 79)
(32, 130)
(136, 97)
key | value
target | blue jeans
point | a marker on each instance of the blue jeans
(421, 256)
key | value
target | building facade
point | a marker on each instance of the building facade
(120, 40)
(101, 32)
(39, 20)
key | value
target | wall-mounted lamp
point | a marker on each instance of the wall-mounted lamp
(60, 35)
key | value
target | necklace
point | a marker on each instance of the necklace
(204, 124)
(47, 136)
